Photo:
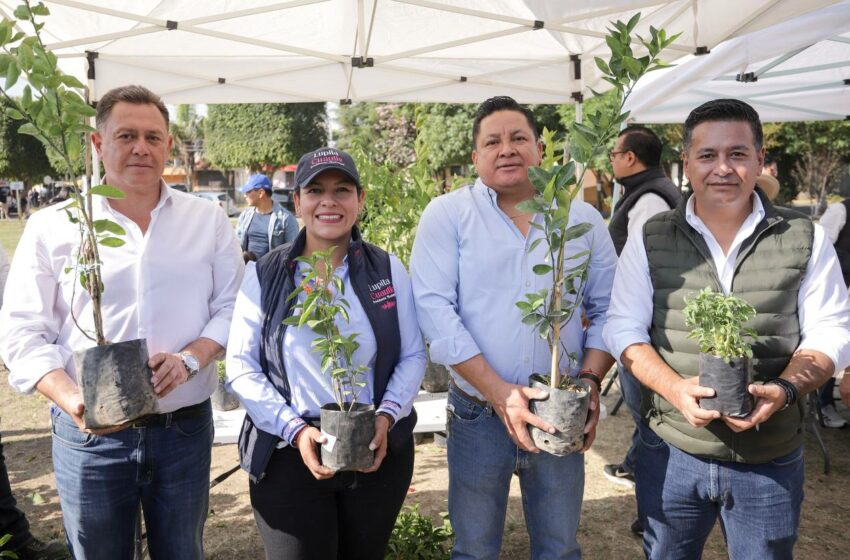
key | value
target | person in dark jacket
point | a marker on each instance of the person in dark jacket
(636, 161)
(303, 509)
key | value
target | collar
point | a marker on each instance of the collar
(641, 177)
(164, 197)
(757, 215)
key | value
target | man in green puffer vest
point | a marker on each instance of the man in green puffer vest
(695, 465)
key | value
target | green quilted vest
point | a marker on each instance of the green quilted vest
(769, 271)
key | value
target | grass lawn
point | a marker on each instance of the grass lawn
(10, 233)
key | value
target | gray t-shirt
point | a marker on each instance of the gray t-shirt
(258, 234)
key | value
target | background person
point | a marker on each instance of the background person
(834, 223)
(636, 162)
(266, 224)
(305, 511)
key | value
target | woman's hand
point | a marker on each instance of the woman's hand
(379, 442)
(306, 441)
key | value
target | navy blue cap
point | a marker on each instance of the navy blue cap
(324, 159)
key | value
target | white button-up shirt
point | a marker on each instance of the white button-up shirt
(823, 308)
(173, 284)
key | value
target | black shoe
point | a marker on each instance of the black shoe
(39, 550)
(619, 475)
(637, 527)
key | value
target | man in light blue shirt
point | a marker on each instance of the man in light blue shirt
(470, 265)
(265, 224)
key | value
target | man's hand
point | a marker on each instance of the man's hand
(592, 418)
(685, 395)
(306, 441)
(844, 388)
(510, 402)
(379, 442)
(58, 386)
(768, 399)
(168, 372)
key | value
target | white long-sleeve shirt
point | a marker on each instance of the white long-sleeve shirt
(823, 307)
(171, 285)
(833, 221)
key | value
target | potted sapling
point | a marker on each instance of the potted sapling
(114, 377)
(222, 399)
(348, 425)
(717, 322)
(548, 310)
(556, 186)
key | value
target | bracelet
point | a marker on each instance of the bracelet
(791, 392)
(388, 417)
(588, 374)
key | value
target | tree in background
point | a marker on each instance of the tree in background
(21, 156)
(262, 134)
(188, 133)
(811, 157)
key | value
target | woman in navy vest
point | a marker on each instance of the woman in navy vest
(304, 510)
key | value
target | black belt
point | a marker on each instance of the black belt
(166, 418)
(467, 396)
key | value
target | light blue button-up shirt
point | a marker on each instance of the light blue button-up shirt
(469, 267)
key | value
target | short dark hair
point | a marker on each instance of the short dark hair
(643, 143)
(723, 110)
(137, 95)
(501, 103)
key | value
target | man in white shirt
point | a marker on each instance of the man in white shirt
(694, 465)
(173, 283)
(834, 223)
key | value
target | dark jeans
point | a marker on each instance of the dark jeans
(12, 520)
(681, 497)
(349, 516)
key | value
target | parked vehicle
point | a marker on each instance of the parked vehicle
(284, 198)
(179, 187)
(220, 198)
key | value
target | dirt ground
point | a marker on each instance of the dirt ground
(607, 512)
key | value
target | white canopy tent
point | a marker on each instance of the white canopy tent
(243, 51)
(792, 71)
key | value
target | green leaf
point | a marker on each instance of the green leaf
(71, 81)
(101, 226)
(22, 12)
(111, 242)
(40, 10)
(12, 74)
(108, 191)
(541, 269)
(630, 26)
(29, 128)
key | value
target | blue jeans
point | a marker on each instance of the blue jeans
(101, 481)
(680, 496)
(482, 459)
(630, 388)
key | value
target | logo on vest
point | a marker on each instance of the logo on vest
(382, 293)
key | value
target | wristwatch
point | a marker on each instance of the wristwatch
(191, 364)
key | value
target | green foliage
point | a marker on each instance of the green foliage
(21, 156)
(556, 188)
(556, 185)
(811, 156)
(6, 553)
(55, 113)
(323, 303)
(257, 135)
(395, 199)
(414, 537)
(221, 370)
(588, 140)
(717, 321)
